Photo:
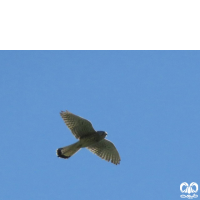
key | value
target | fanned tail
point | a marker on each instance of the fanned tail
(68, 151)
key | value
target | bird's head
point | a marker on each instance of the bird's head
(102, 133)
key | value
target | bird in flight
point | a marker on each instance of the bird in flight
(87, 137)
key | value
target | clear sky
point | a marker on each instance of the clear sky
(147, 101)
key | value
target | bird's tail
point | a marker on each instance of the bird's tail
(68, 151)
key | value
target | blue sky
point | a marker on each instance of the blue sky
(147, 101)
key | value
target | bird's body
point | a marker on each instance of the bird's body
(93, 140)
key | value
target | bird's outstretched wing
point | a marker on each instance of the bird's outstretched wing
(106, 150)
(78, 126)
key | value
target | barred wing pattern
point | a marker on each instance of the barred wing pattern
(106, 150)
(78, 126)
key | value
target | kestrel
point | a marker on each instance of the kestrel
(93, 140)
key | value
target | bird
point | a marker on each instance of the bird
(88, 138)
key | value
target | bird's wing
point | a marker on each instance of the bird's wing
(106, 150)
(78, 126)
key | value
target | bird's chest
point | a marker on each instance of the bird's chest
(90, 139)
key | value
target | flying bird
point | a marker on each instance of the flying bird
(87, 137)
